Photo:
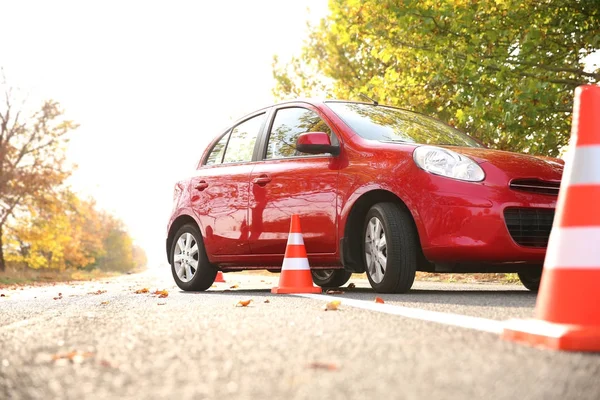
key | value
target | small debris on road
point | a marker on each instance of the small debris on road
(2, 295)
(322, 365)
(332, 291)
(161, 304)
(332, 305)
(140, 291)
(351, 286)
(234, 286)
(104, 303)
(161, 294)
(243, 303)
(97, 292)
(379, 300)
(76, 357)
(267, 301)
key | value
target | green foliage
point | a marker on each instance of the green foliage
(504, 71)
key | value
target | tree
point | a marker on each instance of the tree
(59, 231)
(502, 70)
(32, 155)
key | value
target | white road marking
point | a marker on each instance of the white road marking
(463, 321)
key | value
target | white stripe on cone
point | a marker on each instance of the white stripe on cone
(295, 238)
(585, 166)
(295, 264)
(573, 248)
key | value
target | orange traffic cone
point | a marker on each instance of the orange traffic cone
(295, 272)
(568, 304)
(220, 278)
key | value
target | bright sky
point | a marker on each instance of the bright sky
(151, 83)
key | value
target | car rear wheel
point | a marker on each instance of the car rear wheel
(390, 248)
(330, 277)
(189, 264)
(531, 278)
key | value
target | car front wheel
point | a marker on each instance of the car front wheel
(189, 264)
(531, 278)
(390, 248)
(330, 277)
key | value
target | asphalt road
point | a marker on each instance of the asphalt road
(90, 344)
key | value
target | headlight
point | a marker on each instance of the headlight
(439, 161)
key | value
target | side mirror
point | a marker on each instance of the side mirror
(316, 143)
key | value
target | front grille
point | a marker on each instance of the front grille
(529, 226)
(535, 186)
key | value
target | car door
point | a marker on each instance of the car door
(220, 189)
(288, 182)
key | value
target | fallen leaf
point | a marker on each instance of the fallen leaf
(379, 300)
(104, 302)
(161, 294)
(322, 365)
(332, 305)
(234, 286)
(267, 301)
(332, 291)
(75, 357)
(57, 298)
(106, 364)
(243, 303)
(351, 286)
(60, 295)
(144, 290)
(2, 295)
(97, 292)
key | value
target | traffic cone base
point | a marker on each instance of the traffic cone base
(539, 333)
(296, 281)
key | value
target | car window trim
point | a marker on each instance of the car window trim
(216, 142)
(257, 114)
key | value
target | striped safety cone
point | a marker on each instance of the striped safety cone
(568, 304)
(220, 278)
(295, 274)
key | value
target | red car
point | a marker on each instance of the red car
(378, 190)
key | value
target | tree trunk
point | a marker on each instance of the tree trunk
(2, 263)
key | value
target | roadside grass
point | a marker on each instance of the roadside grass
(20, 276)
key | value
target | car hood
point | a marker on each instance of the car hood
(515, 164)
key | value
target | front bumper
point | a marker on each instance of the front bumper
(459, 227)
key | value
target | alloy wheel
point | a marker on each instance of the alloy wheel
(375, 249)
(185, 257)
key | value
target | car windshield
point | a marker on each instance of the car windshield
(389, 124)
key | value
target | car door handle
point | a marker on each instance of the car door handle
(262, 180)
(201, 185)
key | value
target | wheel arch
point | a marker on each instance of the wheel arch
(351, 242)
(175, 226)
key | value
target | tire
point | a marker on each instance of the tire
(202, 272)
(400, 251)
(531, 278)
(332, 278)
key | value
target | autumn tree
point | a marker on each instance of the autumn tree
(57, 231)
(502, 70)
(32, 155)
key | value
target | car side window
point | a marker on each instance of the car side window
(289, 123)
(216, 154)
(242, 140)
